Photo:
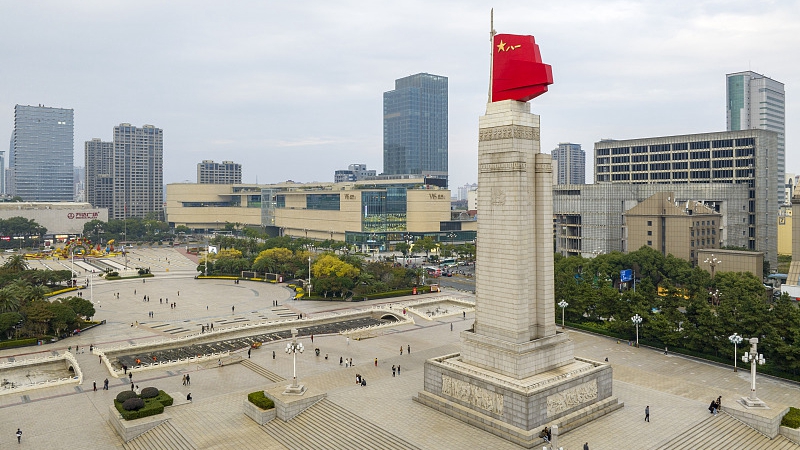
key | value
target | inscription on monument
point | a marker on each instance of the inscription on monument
(474, 395)
(508, 132)
(564, 400)
(515, 166)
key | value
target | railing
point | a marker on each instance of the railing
(66, 356)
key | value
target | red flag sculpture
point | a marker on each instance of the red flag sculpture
(517, 69)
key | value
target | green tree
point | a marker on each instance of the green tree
(8, 320)
(63, 317)
(426, 244)
(82, 307)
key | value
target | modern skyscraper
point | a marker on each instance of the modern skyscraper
(754, 101)
(415, 126)
(99, 185)
(138, 171)
(2, 172)
(226, 172)
(41, 154)
(571, 165)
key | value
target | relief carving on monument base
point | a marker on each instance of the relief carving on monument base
(570, 398)
(474, 395)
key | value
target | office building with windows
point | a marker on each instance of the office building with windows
(138, 171)
(226, 172)
(745, 158)
(99, 164)
(41, 154)
(754, 101)
(354, 172)
(415, 127)
(571, 167)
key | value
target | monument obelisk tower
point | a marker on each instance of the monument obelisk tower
(516, 372)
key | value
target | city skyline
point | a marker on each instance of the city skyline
(226, 87)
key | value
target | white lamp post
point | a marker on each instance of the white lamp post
(309, 275)
(294, 347)
(735, 340)
(563, 304)
(637, 319)
(713, 262)
(754, 359)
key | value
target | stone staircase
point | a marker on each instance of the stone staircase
(327, 425)
(163, 437)
(725, 432)
(275, 378)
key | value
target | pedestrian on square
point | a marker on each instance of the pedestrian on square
(376, 362)
(393, 369)
(132, 386)
(586, 446)
(273, 354)
(184, 379)
(312, 338)
(233, 308)
(409, 349)
(130, 375)
(348, 340)
(398, 369)
(665, 350)
(464, 315)
(248, 353)
(451, 326)
(401, 350)
(19, 436)
(647, 413)
(105, 384)
(94, 386)
(340, 360)
(188, 380)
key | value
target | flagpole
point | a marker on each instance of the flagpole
(491, 52)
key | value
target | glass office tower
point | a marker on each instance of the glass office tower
(41, 154)
(415, 126)
(758, 102)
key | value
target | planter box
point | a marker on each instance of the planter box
(258, 415)
(793, 434)
(129, 429)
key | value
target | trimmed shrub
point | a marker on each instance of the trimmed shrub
(259, 399)
(125, 395)
(133, 404)
(149, 392)
(792, 418)
(164, 398)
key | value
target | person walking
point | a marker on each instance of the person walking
(248, 353)
(19, 436)
(647, 413)
(188, 380)
(273, 354)
(340, 360)
(312, 338)
(184, 379)
(451, 326)
(376, 362)
(398, 369)
(393, 369)
(586, 446)
(409, 349)
(94, 386)
(401, 350)
(105, 384)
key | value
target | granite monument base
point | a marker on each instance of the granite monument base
(518, 409)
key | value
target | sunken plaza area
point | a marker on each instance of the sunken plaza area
(379, 415)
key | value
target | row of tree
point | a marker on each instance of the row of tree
(24, 308)
(681, 306)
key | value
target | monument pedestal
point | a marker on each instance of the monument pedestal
(517, 409)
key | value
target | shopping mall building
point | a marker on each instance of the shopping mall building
(371, 214)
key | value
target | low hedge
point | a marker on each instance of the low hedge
(18, 343)
(152, 407)
(397, 293)
(110, 277)
(60, 291)
(259, 399)
(792, 418)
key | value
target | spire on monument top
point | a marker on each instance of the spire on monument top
(517, 69)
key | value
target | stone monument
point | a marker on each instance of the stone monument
(516, 373)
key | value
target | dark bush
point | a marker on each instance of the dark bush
(113, 274)
(149, 392)
(164, 398)
(133, 404)
(124, 395)
(259, 399)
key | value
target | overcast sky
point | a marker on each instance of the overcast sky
(293, 89)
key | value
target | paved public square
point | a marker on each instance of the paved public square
(678, 390)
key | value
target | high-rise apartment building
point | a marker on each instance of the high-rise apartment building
(754, 101)
(99, 164)
(2, 172)
(354, 172)
(745, 157)
(41, 154)
(138, 171)
(571, 167)
(226, 172)
(415, 126)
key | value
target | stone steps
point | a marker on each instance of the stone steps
(163, 437)
(261, 370)
(725, 432)
(327, 425)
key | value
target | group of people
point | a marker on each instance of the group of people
(713, 408)
(361, 380)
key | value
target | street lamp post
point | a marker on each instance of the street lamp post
(735, 340)
(637, 319)
(713, 262)
(309, 276)
(752, 401)
(714, 297)
(563, 304)
(294, 347)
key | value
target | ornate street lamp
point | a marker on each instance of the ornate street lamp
(563, 304)
(752, 401)
(294, 347)
(735, 340)
(637, 319)
(713, 262)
